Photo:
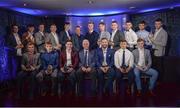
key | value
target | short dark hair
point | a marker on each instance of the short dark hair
(104, 39)
(140, 40)
(67, 23)
(30, 25)
(102, 23)
(114, 22)
(78, 26)
(30, 43)
(90, 22)
(123, 40)
(53, 24)
(142, 22)
(128, 22)
(49, 43)
(68, 41)
(158, 20)
(41, 24)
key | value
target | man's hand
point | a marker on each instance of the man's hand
(145, 68)
(83, 69)
(70, 70)
(103, 69)
(140, 68)
(88, 70)
(128, 69)
(122, 70)
(62, 70)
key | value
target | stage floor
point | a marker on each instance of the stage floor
(167, 95)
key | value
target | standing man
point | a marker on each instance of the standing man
(159, 41)
(40, 37)
(54, 38)
(103, 32)
(116, 36)
(65, 35)
(86, 66)
(77, 39)
(143, 62)
(14, 42)
(130, 36)
(92, 36)
(124, 62)
(144, 34)
(105, 67)
(30, 66)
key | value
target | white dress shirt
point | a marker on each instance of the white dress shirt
(113, 34)
(131, 38)
(18, 41)
(156, 32)
(129, 59)
(104, 57)
(68, 57)
(141, 61)
(68, 35)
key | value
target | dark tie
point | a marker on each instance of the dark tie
(123, 59)
(86, 58)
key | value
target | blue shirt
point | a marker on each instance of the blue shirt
(144, 35)
(49, 59)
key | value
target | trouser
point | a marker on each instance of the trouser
(106, 84)
(119, 77)
(153, 77)
(80, 77)
(42, 76)
(31, 77)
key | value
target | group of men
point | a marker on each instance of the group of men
(102, 56)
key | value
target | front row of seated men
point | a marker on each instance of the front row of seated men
(103, 65)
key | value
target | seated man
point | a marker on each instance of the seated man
(68, 64)
(124, 64)
(86, 66)
(49, 60)
(30, 65)
(105, 67)
(142, 62)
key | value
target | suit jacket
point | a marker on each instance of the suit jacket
(100, 57)
(50, 38)
(117, 37)
(93, 38)
(160, 43)
(64, 37)
(11, 43)
(147, 54)
(91, 60)
(40, 41)
(77, 42)
(74, 59)
(25, 61)
(49, 59)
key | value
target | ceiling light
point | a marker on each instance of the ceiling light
(132, 7)
(24, 4)
(90, 2)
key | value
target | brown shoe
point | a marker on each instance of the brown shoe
(138, 94)
(151, 93)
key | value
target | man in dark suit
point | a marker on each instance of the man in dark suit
(92, 36)
(116, 36)
(40, 37)
(77, 39)
(30, 65)
(68, 65)
(86, 66)
(65, 34)
(105, 67)
(15, 44)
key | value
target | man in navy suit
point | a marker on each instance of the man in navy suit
(86, 66)
(105, 66)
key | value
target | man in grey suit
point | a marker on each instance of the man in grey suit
(86, 66)
(40, 39)
(30, 65)
(159, 41)
(116, 36)
(142, 62)
(54, 38)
